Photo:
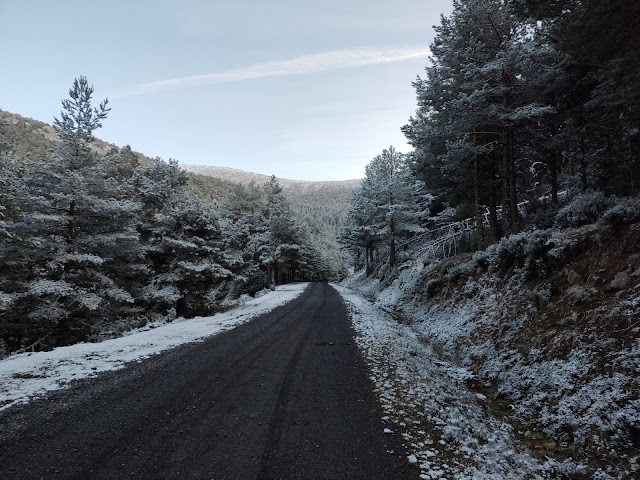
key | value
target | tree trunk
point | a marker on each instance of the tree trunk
(371, 259)
(583, 164)
(270, 282)
(493, 204)
(392, 228)
(392, 244)
(181, 307)
(506, 186)
(366, 260)
(476, 195)
(510, 204)
(553, 170)
(70, 222)
(513, 195)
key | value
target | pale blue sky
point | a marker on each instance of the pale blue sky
(302, 90)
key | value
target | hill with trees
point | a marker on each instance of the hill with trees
(322, 205)
(506, 244)
(33, 139)
(95, 239)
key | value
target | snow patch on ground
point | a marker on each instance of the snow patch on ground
(27, 375)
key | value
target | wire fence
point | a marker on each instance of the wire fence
(447, 240)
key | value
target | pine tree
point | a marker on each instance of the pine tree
(77, 122)
(76, 234)
(472, 133)
(282, 254)
(183, 243)
(358, 234)
(11, 173)
(385, 208)
(245, 237)
(600, 94)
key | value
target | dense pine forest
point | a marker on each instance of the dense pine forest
(527, 117)
(321, 205)
(506, 246)
(97, 239)
(492, 274)
(524, 107)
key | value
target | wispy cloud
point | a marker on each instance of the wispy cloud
(315, 63)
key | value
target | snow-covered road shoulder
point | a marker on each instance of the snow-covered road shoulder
(27, 375)
(447, 428)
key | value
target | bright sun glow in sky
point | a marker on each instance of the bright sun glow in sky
(302, 90)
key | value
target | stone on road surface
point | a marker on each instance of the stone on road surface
(286, 395)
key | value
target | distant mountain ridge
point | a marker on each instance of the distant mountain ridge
(244, 177)
(32, 136)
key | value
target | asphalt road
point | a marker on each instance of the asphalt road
(284, 396)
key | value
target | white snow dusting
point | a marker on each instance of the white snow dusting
(491, 377)
(446, 427)
(27, 375)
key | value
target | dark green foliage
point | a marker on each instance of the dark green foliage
(526, 101)
(600, 40)
(528, 116)
(94, 241)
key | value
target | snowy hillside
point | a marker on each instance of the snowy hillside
(290, 187)
(521, 361)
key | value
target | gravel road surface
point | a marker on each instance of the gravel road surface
(286, 395)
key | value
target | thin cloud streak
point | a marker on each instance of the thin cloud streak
(315, 63)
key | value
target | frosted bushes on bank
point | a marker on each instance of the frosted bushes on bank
(566, 395)
(584, 208)
(462, 441)
(602, 402)
(624, 211)
(630, 359)
(526, 247)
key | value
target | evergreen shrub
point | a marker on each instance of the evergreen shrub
(584, 209)
(624, 211)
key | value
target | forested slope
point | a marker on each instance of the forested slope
(524, 105)
(507, 243)
(323, 203)
(95, 239)
(33, 139)
(322, 206)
